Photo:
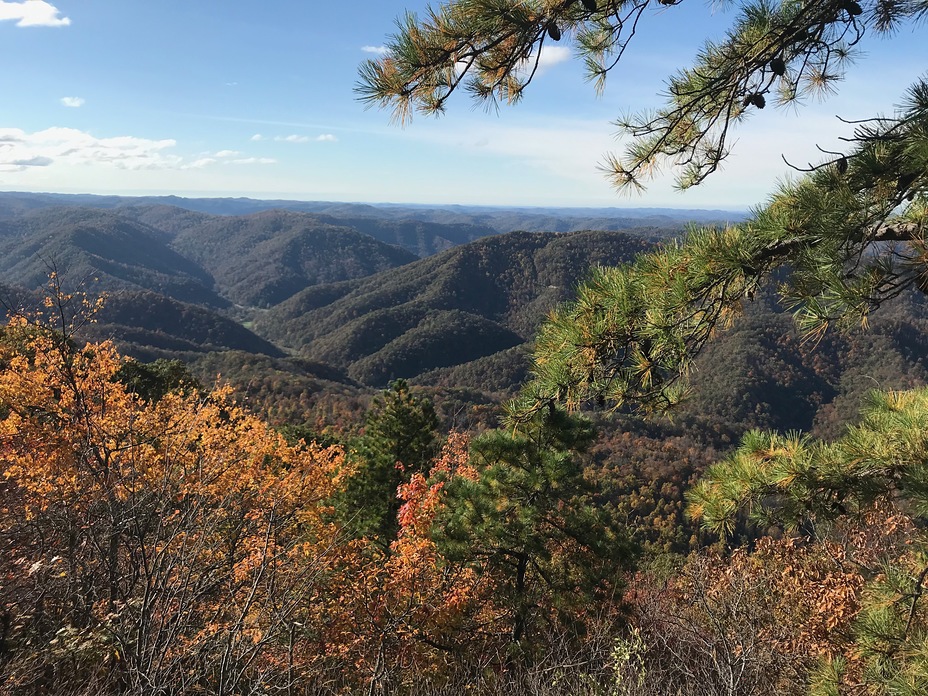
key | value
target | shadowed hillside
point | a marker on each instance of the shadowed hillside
(467, 303)
(102, 251)
(262, 259)
(146, 324)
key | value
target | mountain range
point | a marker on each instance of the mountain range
(308, 299)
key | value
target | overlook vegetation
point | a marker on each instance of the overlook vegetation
(694, 486)
(833, 577)
(519, 546)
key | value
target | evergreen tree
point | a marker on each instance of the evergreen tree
(530, 518)
(850, 234)
(399, 439)
(875, 477)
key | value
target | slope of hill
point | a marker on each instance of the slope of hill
(146, 323)
(97, 247)
(287, 390)
(262, 259)
(420, 237)
(499, 373)
(495, 218)
(461, 305)
(762, 374)
(168, 219)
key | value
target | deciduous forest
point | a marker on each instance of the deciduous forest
(343, 450)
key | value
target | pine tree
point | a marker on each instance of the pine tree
(399, 439)
(851, 233)
(874, 480)
(529, 517)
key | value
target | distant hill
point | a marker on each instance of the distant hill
(452, 308)
(496, 218)
(262, 259)
(421, 238)
(147, 324)
(100, 249)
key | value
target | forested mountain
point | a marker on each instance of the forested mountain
(100, 249)
(489, 219)
(198, 231)
(182, 283)
(262, 259)
(467, 303)
(149, 325)
(762, 373)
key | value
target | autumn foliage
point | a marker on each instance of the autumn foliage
(149, 546)
(158, 538)
(166, 540)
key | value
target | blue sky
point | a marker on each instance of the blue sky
(256, 99)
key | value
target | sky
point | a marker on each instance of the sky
(240, 98)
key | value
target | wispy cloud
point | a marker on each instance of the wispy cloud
(32, 13)
(549, 57)
(200, 163)
(292, 139)
(37, 161)
(376, 50)
(337, 127)
(324, 138)
(73, 102)
(20, 150)
(225, 157)
(253, 160)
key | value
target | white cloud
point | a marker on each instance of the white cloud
(68, 147)
(72, 146)
(253, 160)
(73, 102)
(377, 50)
(223, 157)
(32, 13)
(257, 137)
(324, 138)
(550, 56)
(200, 163)
(292, 138)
